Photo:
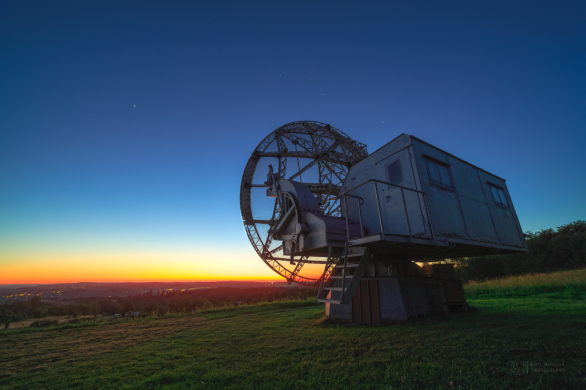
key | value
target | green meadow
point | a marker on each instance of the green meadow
(526, 332)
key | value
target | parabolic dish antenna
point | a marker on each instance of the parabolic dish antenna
(313, 153)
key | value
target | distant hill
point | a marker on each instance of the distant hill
(66, 291)
(12, 286)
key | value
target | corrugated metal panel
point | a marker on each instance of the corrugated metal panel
(506, 226)
(364, 302)
(437, 296)
(467, 181)
(356, 307)
(416, 140)
(445, 212)
(454, 291)
(374, 302)
(391, 301)
(479, 221)
(469, 212)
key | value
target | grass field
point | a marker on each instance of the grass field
(510, 339)
(60, 319)
(569, 284)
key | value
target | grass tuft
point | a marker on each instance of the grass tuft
(44, 323)
(562, 284)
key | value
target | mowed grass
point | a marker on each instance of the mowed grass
(501, 343)
(60, 319)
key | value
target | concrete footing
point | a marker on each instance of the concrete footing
(382, 297)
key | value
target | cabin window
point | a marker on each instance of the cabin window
(439, 173)
(498, 195)
(395, 172)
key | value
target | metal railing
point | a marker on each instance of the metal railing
(345, 195)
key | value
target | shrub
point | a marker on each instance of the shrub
(202, 303)
(128, 307)
(151, 308)
(115, 308)
(44, 323)
(163, 310)
(549, 250)
(5, 317)
(77, 320)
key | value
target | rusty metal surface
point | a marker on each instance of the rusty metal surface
(454, 291)
(356, 307)
(365, 304)
(374, 302)
(440, 270)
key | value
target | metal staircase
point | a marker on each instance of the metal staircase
(339, 288)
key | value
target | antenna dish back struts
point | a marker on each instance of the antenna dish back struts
(313, 153)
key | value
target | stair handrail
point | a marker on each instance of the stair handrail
(361, 201)
(344, 271)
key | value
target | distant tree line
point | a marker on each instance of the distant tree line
(550, 250)
(170, 301)
(158, 303)
(35, 308)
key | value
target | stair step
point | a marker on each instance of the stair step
(350, 255)
(340, 277)
(336, 301)
(352, 265)
(333, 288)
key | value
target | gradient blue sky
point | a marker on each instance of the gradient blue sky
(89, 182)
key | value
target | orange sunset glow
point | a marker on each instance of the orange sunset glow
(143, 268)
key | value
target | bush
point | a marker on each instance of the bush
(163, 310)
(151, 308)
(202, 304)
(5, 317)
(549, 250)
(115, 308)
(128, 307)
(78, 320)
(44, 323)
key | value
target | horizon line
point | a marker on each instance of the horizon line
(187, 281)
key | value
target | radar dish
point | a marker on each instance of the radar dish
(313, 153)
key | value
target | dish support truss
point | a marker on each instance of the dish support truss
(333, 160)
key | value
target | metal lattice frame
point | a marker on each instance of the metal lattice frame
(333, 161)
